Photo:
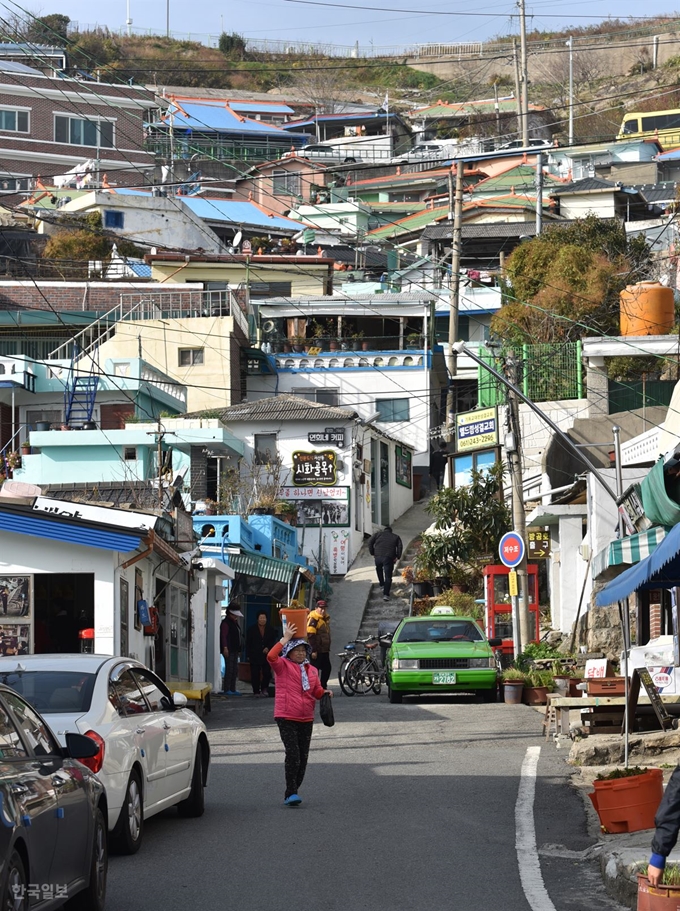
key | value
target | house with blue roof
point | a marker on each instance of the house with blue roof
(214, 136)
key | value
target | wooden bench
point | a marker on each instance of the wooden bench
(198, 694)
(565, 704)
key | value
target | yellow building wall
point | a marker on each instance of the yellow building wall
(212, 384)
(305, 278)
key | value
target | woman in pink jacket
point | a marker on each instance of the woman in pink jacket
(297, 689)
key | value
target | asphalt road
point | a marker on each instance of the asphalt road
(411, 806)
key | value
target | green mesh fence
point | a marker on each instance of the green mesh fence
(545, 373)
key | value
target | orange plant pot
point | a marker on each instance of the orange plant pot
(535, 695)
(628, 804)
(296, 617)
(657, 898)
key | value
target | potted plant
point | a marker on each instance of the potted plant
(356, 340)
(414, 340)
(286, 510)
(334, 344)
(13, 460)
(665, 896)
(626, 800)
(26, 447)
(513, 684)
(537, 686)
(298, 343)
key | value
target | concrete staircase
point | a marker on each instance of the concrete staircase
(400, 595)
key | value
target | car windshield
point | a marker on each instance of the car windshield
(53, 692)
(431, 630)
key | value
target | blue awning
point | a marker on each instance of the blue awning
(70, 532)
(660, 570)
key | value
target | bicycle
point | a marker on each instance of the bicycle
(347, 655)
(366, 672)
(349, 652)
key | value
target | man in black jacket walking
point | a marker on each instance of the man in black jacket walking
(385, 547)
(667, 823)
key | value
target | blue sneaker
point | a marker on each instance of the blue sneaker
(293, 801)
(233, 693)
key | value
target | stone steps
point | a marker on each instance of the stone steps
(397, 607)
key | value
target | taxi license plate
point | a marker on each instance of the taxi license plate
(446, 677)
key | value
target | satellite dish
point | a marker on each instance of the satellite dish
(238, 237)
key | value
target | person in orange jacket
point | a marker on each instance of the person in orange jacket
(297, 690)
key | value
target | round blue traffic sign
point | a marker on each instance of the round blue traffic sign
(511, 549)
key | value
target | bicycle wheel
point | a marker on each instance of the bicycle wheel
(358, 676)
(342, 677)
(378, 680)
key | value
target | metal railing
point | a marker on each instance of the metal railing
(216, 149)
(153, 305)
(459, 50)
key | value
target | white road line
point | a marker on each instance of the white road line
(525, 836)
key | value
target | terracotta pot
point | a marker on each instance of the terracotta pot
(573, 684)
(657, 898)
(535, 695)
(628, 804)
(512, 692)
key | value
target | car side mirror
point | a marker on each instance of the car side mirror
(495, 643)
(179, 700)
(78, 746)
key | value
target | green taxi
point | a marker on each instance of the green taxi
(441, 653)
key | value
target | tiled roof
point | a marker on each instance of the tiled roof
(138, 494)
(281, 408)
(436, 175)
(410, 223)
(443, 109)
(657, 192)
(588, 184)
(491, 229)
(522, 177)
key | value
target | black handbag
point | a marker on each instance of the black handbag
(326, 710)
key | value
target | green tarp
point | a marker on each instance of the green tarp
(659, 508)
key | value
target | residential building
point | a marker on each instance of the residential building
(37, 394)
(349, 218)
(52, 123)
(634, 160)
(346, 476)
(374, 135)
(492, 117)
(371, 353)
(603, 198)
(192, 223)
(209, 135)
(280, 185)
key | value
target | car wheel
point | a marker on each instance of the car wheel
(194, 805)
(93, 898)
(489, 695)
(395, 698)
(127, 835)
(14, 897)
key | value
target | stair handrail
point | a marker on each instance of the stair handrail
(118, 313)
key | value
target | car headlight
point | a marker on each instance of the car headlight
(482, 662)
(404, 664)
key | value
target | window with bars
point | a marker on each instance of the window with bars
(286, 183)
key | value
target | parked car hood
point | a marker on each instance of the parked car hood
(458, 648)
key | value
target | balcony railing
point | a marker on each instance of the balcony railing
(350, 360)
(217, 149)
(331, 345)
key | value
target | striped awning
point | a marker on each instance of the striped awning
(628, 551)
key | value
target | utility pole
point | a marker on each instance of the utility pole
(456, 207)
(525, 71)
(518, 90)
(539, 193)
(497, 109)
(570, 45)
(167, 18)
(513, 447)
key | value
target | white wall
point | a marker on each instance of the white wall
(358, 389)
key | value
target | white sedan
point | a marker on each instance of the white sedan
(153, 752)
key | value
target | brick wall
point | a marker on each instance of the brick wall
(113, 417)
(74, 296)
(654, 621)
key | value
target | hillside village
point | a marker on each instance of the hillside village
(190, 275)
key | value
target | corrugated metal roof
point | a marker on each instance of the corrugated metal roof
(211, 117)
(68, 532)
(263, 107)
(522, 177)
(264, 567)
(237, 213)
(586, 185)
(281, 408)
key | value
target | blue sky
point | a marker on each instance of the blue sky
(286, 21)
